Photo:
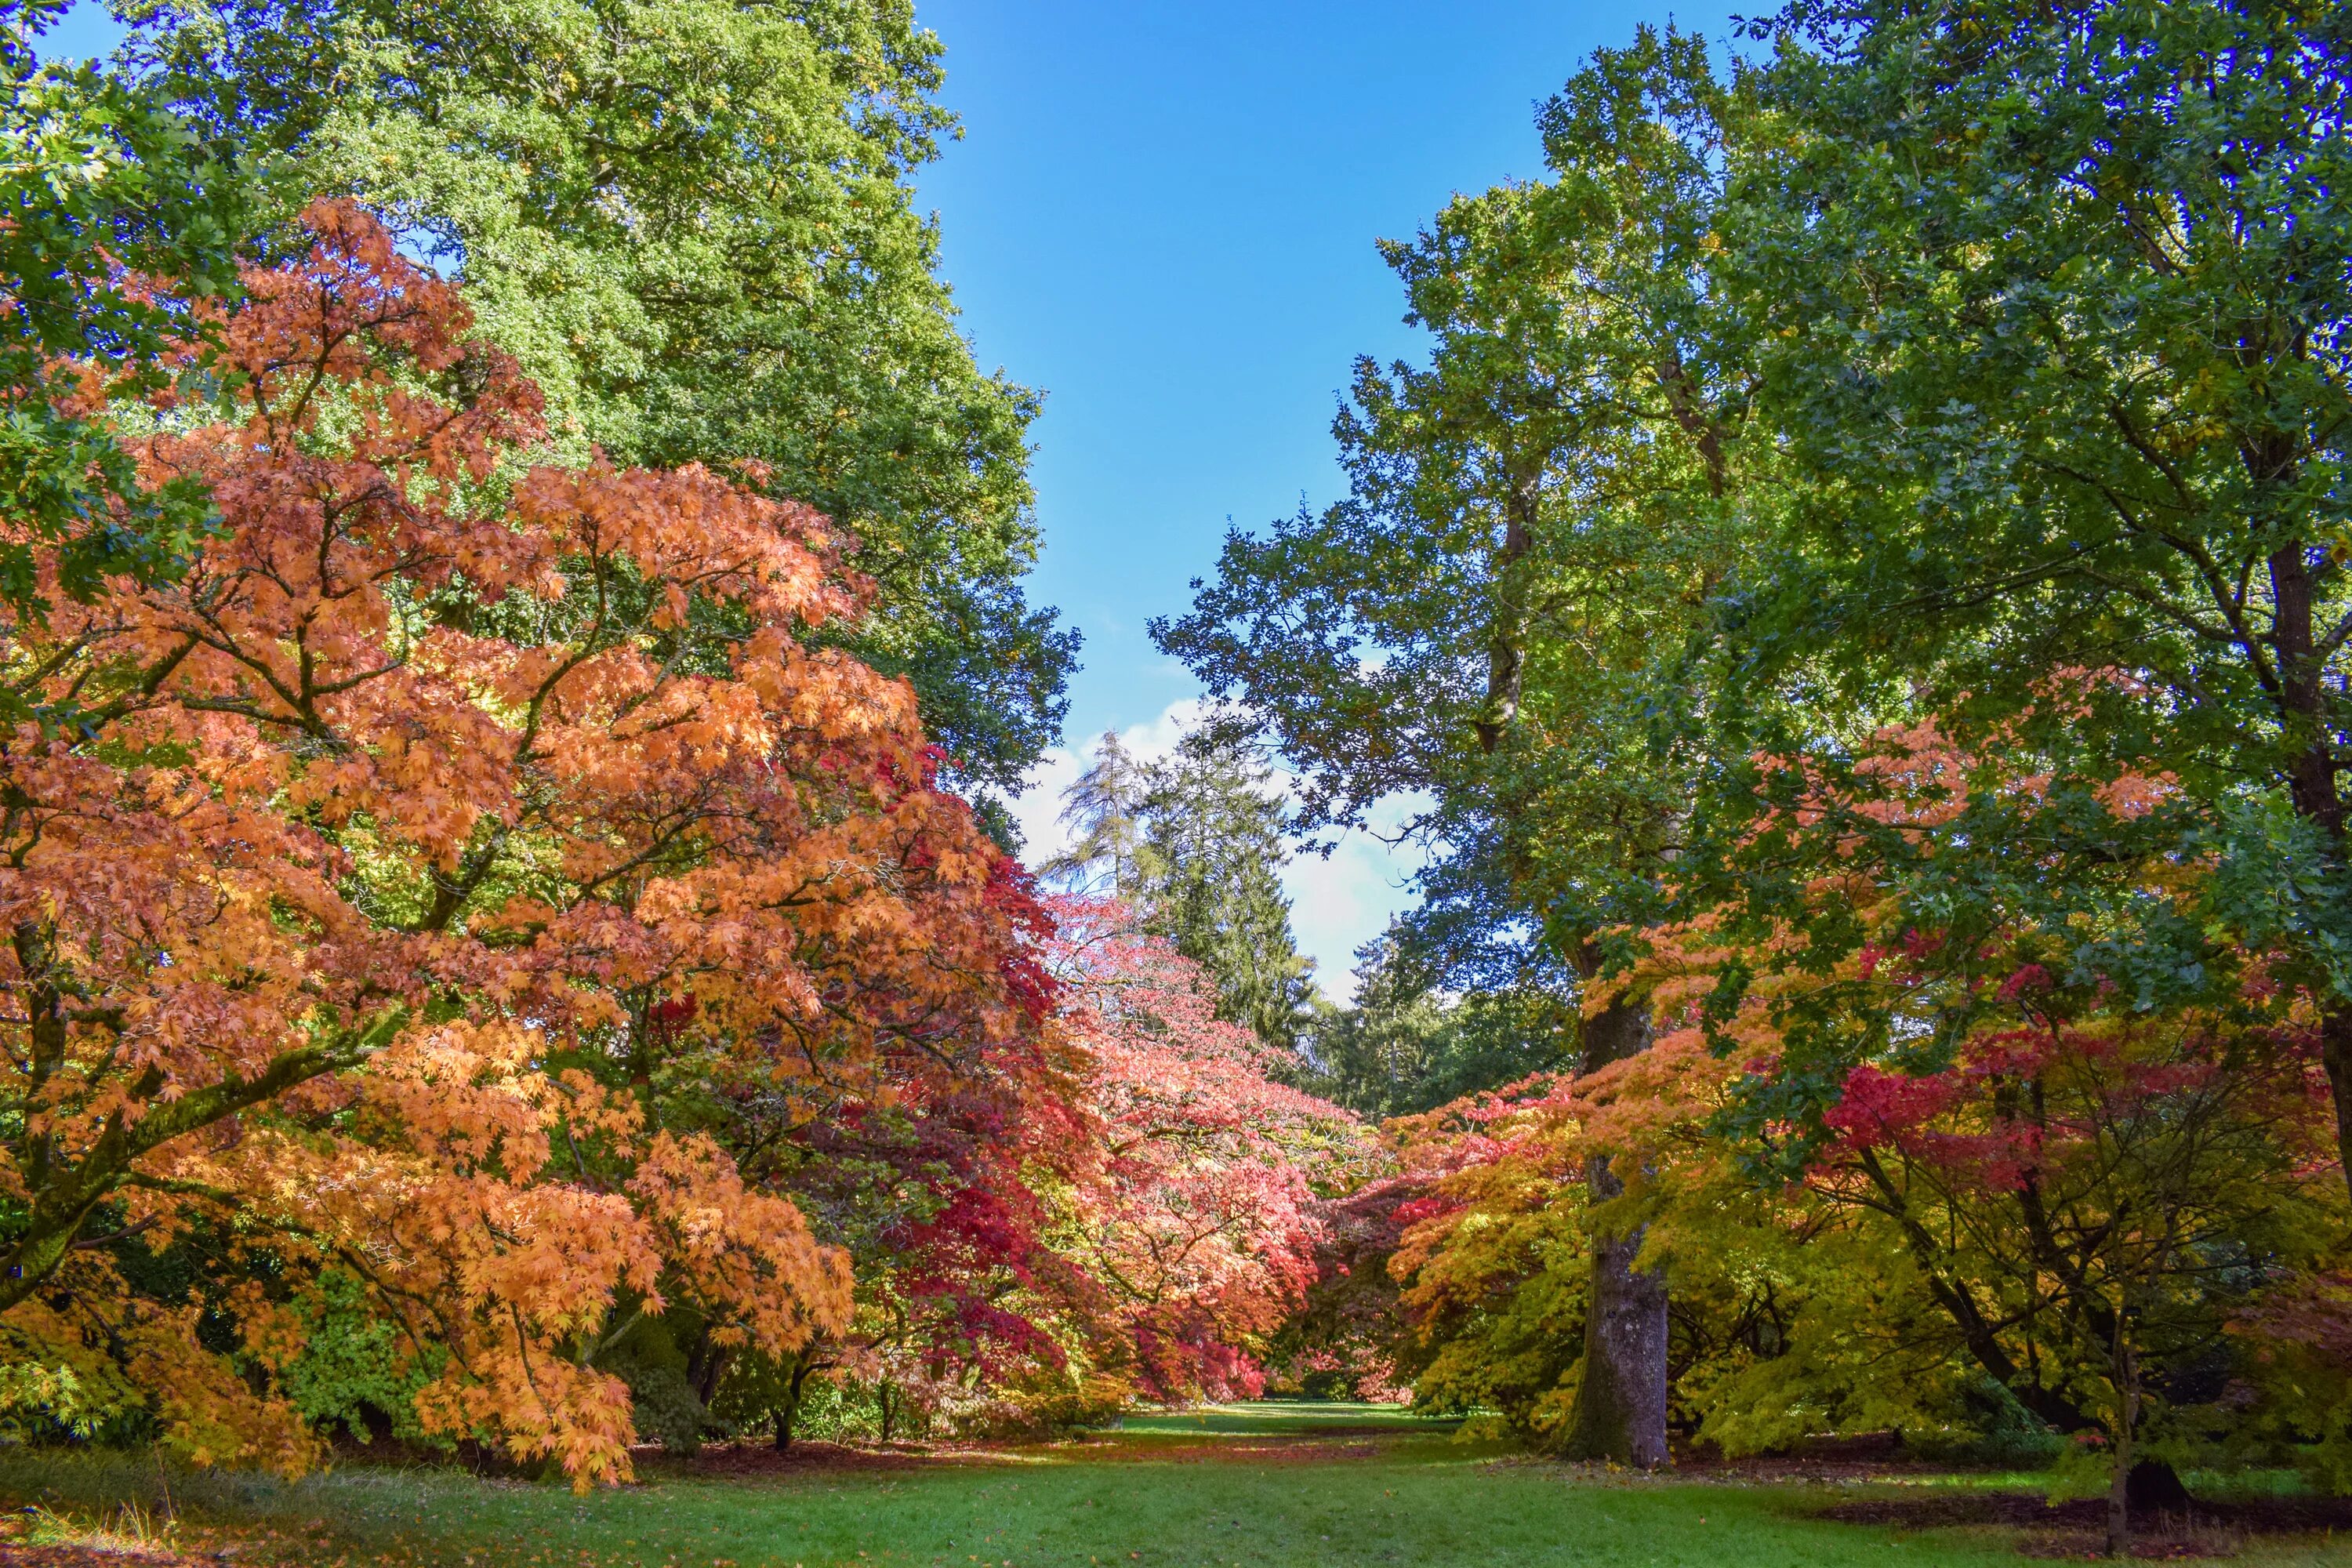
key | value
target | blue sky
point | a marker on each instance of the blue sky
(1163, 215)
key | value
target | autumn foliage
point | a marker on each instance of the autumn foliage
(1200, 1218)
(1954, 1180)
(1125, 1204)
(468, 891)
(370, 886)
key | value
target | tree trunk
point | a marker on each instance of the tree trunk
(1506, 658)
(789, 1412)
(1620, 1402)
(2125, 1372)
(2119, 1500)
(2312, 782)
(2336, 1055)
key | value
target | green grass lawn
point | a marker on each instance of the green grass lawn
(1245, 1488)
(1303, 1417)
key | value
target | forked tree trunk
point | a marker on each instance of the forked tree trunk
(1621, 1402)
(788, 1412)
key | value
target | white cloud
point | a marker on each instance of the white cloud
(1036, 810)
(1338, 903)
(1155, 739)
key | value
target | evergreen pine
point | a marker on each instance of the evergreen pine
(1213, 828)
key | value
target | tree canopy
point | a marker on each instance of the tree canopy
(513, 634)
(1963, 369)
(121, 217)
(692, 225)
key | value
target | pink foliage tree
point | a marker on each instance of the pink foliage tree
(1200, 1216)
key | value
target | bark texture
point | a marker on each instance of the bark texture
(2313, 783)
(1620, 1402)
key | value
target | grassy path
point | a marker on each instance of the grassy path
(1236, 1488)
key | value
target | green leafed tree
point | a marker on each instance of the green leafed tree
(1401, 1047)
(693, 223)
(2052, 320)
(1511, 610)
(117, 217)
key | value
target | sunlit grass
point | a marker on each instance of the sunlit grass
(1236, 1488)
(1273, 1416)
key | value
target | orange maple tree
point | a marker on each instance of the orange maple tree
(367, 887)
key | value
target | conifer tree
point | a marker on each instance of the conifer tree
(1193, 844)
(1104, 810)
(1213, 834)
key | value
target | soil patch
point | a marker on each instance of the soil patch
(749, 1460)
(728, 1460)
(1863, 1456)
(2262, 1516)
(1299, 1450)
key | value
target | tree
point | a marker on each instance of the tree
(1122, 1204)
(1198, 1218)
(2104, 1188)
(1194, 844)
(2050, 310)
(1348, 1337)
(1376, 1054)
(121, 221)
(1508, 611)
(410, 849)
(2091, 1174)
(942, 1182)
(1399, 1049)
(1213, 834)
(692, 224)
(1930, 1179)
(1103, 807)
